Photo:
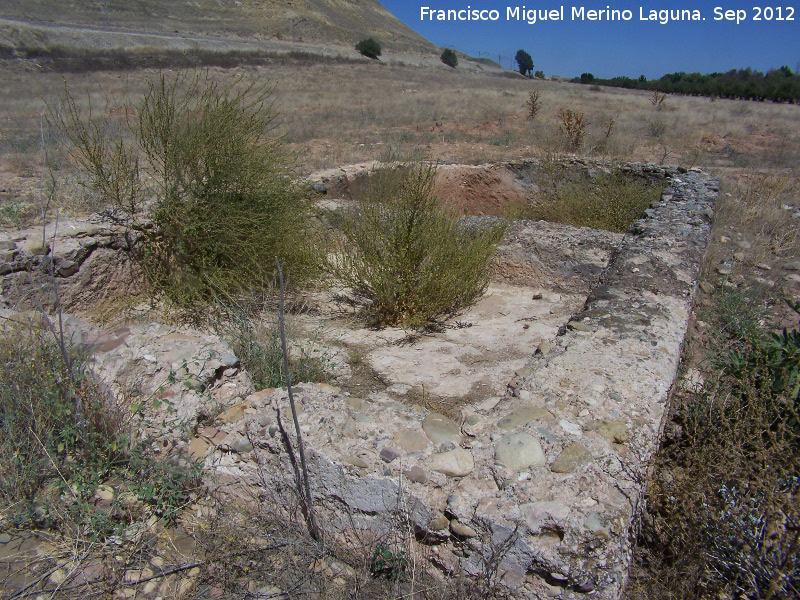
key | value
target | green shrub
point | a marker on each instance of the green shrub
(63, 437)
(203, 185)
(407, 256)
(449, 58)
(369, 47)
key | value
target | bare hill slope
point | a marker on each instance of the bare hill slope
(338, 22)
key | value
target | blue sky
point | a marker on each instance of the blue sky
(608, 48)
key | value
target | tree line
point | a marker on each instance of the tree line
(778, 85)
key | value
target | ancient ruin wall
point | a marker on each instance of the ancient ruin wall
(548, 479)
(551, 476)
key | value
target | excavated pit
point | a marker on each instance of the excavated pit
(517, 437)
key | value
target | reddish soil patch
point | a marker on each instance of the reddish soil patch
(479, 190)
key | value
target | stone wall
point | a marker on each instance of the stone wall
(87, 258)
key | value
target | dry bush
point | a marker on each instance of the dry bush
(656, 128)
(657, 99)
(534, 103)
(723, 518)
(572, 125)
(602, 145)
(55, 419)
(64, 437)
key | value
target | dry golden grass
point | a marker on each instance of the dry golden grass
(339, 114)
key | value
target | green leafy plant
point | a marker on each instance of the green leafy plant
(449, 58)
(387, 563)
(775, 361)
(164, 485)
(406, 255)
(202, 186)
(369, 47)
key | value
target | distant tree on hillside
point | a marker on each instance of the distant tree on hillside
(524, 62)
(369, 47)
(587, 78)
(449, 58)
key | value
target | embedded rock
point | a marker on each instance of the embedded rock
(454, 463)
(570, 458)
(441, 430)
(524, 415)
(520, 450)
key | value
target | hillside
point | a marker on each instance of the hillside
(336, 22)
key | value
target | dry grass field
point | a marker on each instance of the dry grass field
(333, 114)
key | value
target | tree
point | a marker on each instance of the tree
(524, 62)
(369, 47)
(587, 78)
(449, 58)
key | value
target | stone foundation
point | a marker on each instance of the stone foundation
(547, 478)
(544, 476)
